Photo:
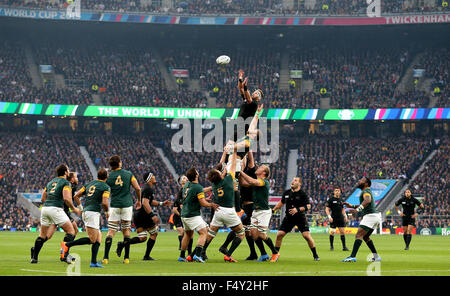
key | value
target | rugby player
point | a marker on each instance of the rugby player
(176, 210)
(408, 203)
(96, 194)
(57, 192)
(121, 205)
(371, 218)
(337, 217)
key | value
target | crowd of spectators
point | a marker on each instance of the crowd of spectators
(241, 7)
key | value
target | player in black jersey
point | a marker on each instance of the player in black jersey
(297, 204)
(176, 210)
(408, 203)
(144, 219)
(336, 216)
(250, 102)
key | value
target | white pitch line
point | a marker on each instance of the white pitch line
(239, 273)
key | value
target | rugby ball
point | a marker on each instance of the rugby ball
(223, 60)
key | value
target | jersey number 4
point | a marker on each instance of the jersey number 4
(119, 181)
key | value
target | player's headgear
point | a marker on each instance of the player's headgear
(147, 176)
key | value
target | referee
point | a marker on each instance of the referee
(337, 217)
(297, 204)
(408, 203)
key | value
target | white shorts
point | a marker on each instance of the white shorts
(238, 164)
(193, 223)
(371, 220)
(261, 218)
(118, 214)
(91, 219)
(53, 215)
(225, 216)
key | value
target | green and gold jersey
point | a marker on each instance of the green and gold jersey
(95, 191)
(224, 191)
(192, 192)
(55, 190)
(120, 181)
(261, 195)
(370, 209)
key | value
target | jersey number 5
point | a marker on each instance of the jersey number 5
(119, 181)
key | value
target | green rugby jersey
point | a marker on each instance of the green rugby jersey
(370, 209)
(224, 191)
(120, 181)
(55, 190)
(192, 192)
(261, 195)
(94, 191)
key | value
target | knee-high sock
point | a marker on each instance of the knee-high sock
(229, 239)
(372, 248)
(94, 252)
(405, 238)
(331, 240)
(189, 249)
(38, 243)
(314, 252)
(108, 243)
(408, 239)
(180, 238)
(206, 247)
(251, 245)
(126, 247)
(356, 246)
(150, 244)
(260, 245)
(343, 241)
(236, 242)
(79, 242)
(135, 240)
(269, 243)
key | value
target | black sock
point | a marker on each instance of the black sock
(277, 248)
(69, 238)
(371, 247)
(313, 250)
(229, 239)
(150, 244)
(269, 243)
(79, 242)
(206, 246)
(331, 240)
(199, 251)
(234, 244)
(189, 249)
(94, 252)
(409, 238)
(135, 240)
(108, 243)
(405, 238)
(356, 246)
(182, 253)
(38, 243)
(343, 241)
(126, 247)
(180, 238)
(260, 245)
(251, 245)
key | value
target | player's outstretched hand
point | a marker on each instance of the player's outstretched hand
(260, 107)
(347, 205)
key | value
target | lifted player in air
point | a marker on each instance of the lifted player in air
(297, 204)
(144, 218)
(57, 192)
(193, 200)
(337, 217)
(121, 205)
(225, 215)
(370, 221)
(408, 203)
(96, 196)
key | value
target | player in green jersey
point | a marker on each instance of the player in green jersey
(371, 219)
(223, 184)
(96, 194)
(121, 205)
(57, 192)
(194, 199)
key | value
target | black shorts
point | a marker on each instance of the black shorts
(177, 221)
(68, 215)
(408, 220)
(297, 220)
(337, 222)
(143, 220)
(248, 210)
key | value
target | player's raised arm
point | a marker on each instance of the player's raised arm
(251, 181)
(44, 195)
(243, 89)
(254, 123)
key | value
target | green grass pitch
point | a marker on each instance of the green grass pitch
(428, 256)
